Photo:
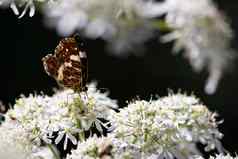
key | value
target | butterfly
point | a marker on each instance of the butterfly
(69, 64)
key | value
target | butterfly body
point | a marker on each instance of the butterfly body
(68, 65)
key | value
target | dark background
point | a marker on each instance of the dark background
(24, 42)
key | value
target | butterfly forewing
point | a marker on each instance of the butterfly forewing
(66, 48)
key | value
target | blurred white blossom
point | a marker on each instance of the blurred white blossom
(66, 112)
(200, 29)
(25, 5)
(167, 127)
(123, 23)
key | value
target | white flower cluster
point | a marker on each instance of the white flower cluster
(200, 29)
(92, 148)
(104, 147)
(167, 127)
(164, 128)
(66, 113)
(18, 143)
(111, 148)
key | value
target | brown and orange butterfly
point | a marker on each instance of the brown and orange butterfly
(68, 65)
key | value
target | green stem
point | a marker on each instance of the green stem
(81, 136)
(56, 156)
(161, 25)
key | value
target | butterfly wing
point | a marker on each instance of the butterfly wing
(67, 65)
(51, 65)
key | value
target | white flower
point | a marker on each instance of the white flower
(67, 135)
(199, 28)
(66, 113)
(167, 127)
(101, 99)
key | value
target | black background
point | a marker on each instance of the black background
(24, 42)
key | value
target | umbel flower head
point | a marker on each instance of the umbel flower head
(66, 113)
(167, 127)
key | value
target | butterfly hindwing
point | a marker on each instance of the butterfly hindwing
(51, 65)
